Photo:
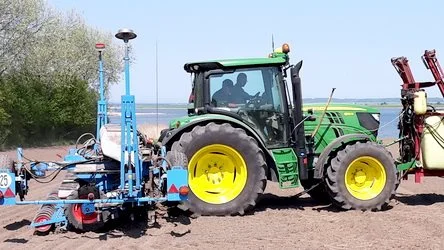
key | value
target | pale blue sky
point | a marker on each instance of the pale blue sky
(344, 44)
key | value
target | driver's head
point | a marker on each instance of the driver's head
(227, 84)
(241, 79)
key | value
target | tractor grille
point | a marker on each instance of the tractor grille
(338, 132)
(335, 117)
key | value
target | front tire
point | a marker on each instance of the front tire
(361, 176)
(226, 169)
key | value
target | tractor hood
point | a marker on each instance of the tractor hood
(340, 107)
(364, 119)
(344, 108)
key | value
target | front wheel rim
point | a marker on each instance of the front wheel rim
(217, 173)
(365, 178)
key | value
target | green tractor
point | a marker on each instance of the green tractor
(244, 127)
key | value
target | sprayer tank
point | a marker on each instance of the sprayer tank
(432, 144)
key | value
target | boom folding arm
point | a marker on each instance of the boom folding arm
(402, 66)
(431, 63)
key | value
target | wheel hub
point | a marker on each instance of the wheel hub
(215, 174)
(360, 177)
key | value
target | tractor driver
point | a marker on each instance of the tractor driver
(239, 94)
(223, 96)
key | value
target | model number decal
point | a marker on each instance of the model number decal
(5, 180)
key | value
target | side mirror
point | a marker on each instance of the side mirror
(296, 68)
(311, 118)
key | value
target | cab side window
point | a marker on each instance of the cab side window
(235, 88)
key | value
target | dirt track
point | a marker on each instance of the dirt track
(414, 221)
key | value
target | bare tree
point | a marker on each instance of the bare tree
(45, 42)
(20, 22)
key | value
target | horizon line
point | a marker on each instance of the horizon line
(392, 99)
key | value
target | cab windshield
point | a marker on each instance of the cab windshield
(255, 94)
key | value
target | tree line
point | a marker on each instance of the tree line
(49, 73)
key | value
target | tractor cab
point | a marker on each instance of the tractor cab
(249, 90)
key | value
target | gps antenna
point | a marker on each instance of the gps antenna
(157, 93)
(272, 43)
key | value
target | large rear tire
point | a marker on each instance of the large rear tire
(226, 169)
(361, 176)
(177, 158)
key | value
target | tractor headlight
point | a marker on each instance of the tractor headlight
(369, 121)
(376, 116)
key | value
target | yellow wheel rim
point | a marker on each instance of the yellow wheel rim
(365, 178)
(217, 174)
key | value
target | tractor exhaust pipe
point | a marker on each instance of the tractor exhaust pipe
(299, 136)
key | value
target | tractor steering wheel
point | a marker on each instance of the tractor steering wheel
(254, 101)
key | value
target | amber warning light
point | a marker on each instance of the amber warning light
(285, 48)
(100, 46)
(184, 190)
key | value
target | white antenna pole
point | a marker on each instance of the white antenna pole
(157, 94)
(272, 43)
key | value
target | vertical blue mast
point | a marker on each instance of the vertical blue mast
(130, 164)
(102, 116)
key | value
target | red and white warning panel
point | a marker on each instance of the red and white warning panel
(7, 188)
(177, 184)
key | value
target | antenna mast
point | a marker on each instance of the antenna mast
(272, 43)
(157, 94)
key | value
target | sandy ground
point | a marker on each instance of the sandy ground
(415, 220)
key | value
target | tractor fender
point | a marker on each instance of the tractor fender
(323, 158)
(169, 136)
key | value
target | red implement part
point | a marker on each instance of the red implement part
(431, 63)
(81, 217)
(420, 173)
(43, 218)
(402, 66)
(439, 173)
(415, 130)
(419, 127)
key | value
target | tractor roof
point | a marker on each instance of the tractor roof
(233, 63)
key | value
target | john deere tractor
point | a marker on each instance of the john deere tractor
(245, 127)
